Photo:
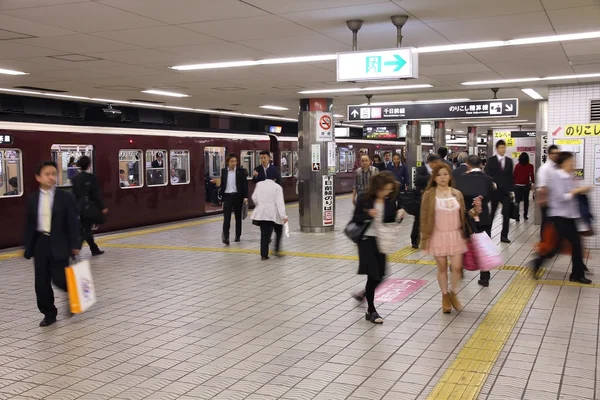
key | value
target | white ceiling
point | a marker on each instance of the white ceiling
(130, 43)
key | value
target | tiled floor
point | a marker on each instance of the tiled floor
(181, 317)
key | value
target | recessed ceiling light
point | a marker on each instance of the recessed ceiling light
(12, 72)
(518, 80)
(399, 103)
(366, 89)
(268, 61)
(164, 93)
(508, 121)
(533, 94)
(338, 115)
(278, 108)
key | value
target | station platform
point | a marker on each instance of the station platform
(180, 316)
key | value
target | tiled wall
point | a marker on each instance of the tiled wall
(570, 104)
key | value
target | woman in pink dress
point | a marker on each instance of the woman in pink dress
(443, 224)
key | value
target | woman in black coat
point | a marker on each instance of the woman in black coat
(378, 205)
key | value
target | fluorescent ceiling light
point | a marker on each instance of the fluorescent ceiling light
(518, 80)
(459, 131)
(164, 93)
(268, 61)
(274, 108)
(12, 72)
(506, 125)
(508, 121)
(338, 115)
(399, 103)
(366, 89)
(533, 94)
(20, 91)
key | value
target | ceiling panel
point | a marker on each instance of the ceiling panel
(560, 4)
(544, 53)
(12, 49)
(531, 68)
(579, 19)
(334, 19)
(144, 56)
(453, 69)
(30, 28)
(123, 70)
(84, 17)
(435, 11)
(16, 4)
(48, 62)
(297, 45)
(186, 11)
(495, 28)
(216, 52)
(580, 48)
(79, 43)
(262, 27)
(159, 36)
(287, 6)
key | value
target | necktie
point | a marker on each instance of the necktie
(46, 212)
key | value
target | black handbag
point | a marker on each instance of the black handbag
(409, 202)
(356, 231)
(91, 212)
(513, 210)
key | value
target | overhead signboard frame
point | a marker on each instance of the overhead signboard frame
(493, 108)
(378, 65)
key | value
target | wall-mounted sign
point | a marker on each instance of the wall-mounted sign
(328, 200)
(522, 134)
(431, 111)
(275, 129)
(378, 65)
(575, 146)
(380, 132)
(597, 164)
(324, 126)
(316, 157)
(331, 157)
(5, 138)
(578, 130)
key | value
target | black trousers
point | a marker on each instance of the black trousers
(266, 231)
(501, 197)
(232, 202)
(414, 235)
(47, 270)
(485, 275)
(88, 236)
(544, 210)
(566, 229)
(522, 195)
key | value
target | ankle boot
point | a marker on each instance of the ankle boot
(455, 302)
(446, 303)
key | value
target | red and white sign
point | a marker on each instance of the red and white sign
(324, 126)
(328, 200)
(395, 290)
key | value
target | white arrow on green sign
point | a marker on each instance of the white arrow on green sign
(378, 65)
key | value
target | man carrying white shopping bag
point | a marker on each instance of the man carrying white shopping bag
(82, 293)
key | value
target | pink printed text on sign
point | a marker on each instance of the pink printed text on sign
(395, 290)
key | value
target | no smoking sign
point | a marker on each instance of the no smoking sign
(325, 122)
(324, 126)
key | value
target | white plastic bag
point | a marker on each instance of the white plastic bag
(80, 285)
(286, 229)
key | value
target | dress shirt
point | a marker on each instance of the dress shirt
(429, 169)
(231, 183)
(174, 179)
(44, 217)
(561, 202)
(265, 169)
(544, 173)
(501, 161)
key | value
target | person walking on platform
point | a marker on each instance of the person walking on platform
(260, 172)
(400, 172)
(422, 177)
(500, 168)
(89, 202)
(377, 163)
(524, 178)
(362, 178)
(544, 177)
(563, 211)
(473, 185)
(269, 213)
(234, 192)
(443, 227)
(379, 205)
(52, 236)
(462, 167)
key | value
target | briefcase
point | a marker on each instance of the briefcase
(244, 210)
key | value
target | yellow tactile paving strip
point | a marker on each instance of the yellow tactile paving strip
(568, 283)
(466, 376)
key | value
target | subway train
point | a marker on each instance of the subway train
(149, 176)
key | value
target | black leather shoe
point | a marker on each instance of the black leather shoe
(583, 280)
(483, 283)
(374, 317)
(415, 246)
(98, 253)
(47, 321)
(526, 218)
(264, 258)
(237, 239)
(505, 240)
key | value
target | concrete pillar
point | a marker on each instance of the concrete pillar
(472, 140)
(490, 143)
(541, 145)
(316, 158)
(439, 135)
(414, 153)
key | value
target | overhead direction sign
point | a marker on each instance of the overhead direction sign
(495, 108)
(378, 65)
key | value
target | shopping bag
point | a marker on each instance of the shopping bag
(469, 259)
(244, 210)
(80, 285)
(486, 252)
(286, 229)
(387, 237)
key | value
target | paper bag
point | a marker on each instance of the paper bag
(80, 285)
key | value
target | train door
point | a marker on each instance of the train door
(214, 161)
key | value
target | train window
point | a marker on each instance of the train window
(350, 159)
(180, 167)
(295, 166)
(286, 164)
(66, 156)
(131, 169)
(247, 161)
(11, 176)
(214, 160)
(156, 167)
(341, 165)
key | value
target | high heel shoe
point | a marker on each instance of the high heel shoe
(446, 303)
(455, 302)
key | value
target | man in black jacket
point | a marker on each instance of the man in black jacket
(500, 168)
(260, 172)
(422, 176)
(473, 184)
(462, 166)
(89, 202)
(52, 236)
(234, 192)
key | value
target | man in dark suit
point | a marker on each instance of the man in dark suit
(260, 172)
(500, 168)
(443, 153)
(89, 202)
(422, 176)
(158, 174)
(473, 184)
(52, 236)
(234, 192)
(462, 166)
